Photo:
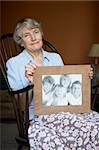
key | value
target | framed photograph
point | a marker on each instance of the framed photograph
(62, 89)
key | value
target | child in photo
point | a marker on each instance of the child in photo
(75, 96)
(59, 96)
(48, 84)
(65, 81)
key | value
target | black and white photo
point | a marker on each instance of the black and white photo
(61, 90)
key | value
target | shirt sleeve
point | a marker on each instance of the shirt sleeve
(13, 75)
(58, 60)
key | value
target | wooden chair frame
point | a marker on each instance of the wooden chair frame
(95, 88)
(8, 49)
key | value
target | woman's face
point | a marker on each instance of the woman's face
(31, 39)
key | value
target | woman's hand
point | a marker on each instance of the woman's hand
(91, 73)
(29, 72)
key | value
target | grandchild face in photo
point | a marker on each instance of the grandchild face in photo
(76, 90)
(60, 91)
(65, 81)
(47, 84)
(47, 87)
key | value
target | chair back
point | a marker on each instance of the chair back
(22, 97)
(8, 49)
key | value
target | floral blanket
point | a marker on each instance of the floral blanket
(65, 131)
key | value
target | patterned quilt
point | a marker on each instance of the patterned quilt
(65, 131)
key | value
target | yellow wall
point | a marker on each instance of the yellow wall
(70, 26)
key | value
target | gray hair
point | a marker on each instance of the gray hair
(28, 23)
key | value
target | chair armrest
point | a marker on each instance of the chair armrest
(11, 92)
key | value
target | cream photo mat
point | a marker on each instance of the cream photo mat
(83, 70)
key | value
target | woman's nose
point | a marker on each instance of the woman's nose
(33, 37)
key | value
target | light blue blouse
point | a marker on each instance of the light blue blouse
(16, 70)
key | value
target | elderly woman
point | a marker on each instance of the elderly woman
(20, 69)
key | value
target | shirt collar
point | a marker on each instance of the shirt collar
(30, 58)
(45, 55)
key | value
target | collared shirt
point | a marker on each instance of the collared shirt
(16, 67)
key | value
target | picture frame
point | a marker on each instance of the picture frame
(73, 71)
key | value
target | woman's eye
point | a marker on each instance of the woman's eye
(36, 31)
(26, 35)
